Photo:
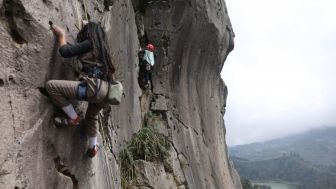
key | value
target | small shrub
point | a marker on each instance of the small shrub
(148, 145)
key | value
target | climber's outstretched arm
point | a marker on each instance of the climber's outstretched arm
(69, 50)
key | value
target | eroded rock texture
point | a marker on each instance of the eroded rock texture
(193, 38)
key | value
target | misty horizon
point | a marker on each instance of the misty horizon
(289, 135)
(280, 75)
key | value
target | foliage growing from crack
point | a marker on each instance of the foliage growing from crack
(148, 145)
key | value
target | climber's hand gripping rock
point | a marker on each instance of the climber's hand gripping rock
(59, 33)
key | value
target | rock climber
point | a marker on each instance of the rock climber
(92, 51)
(147, 61)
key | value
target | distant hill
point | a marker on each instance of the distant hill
(308, 159)
(289, 169)
(317, 146)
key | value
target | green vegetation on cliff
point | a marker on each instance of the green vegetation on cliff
(148, 145)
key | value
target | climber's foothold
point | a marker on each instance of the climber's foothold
(43, 91)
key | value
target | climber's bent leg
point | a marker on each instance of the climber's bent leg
(96, 103)
(91, 125)
(91, 118)
(151, 80)
(61, 92)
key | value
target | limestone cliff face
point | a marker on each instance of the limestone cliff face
(193, 39)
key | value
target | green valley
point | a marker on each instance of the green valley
(307, 159)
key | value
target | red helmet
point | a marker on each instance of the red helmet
(150, 47)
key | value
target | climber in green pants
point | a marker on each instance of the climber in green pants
(93, 53)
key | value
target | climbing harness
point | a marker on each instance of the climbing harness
(148, 67)
(94, 72)
(81, 91)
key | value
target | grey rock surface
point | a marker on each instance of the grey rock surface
(193, 39)
(153, 175)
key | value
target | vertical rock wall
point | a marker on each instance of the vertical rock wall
(34, 154)
(193, 39)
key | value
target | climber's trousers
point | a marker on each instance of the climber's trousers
(62, 92)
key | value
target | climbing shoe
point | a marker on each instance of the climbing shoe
(91, 152)
(63, 121)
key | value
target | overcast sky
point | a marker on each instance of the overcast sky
(281, 75)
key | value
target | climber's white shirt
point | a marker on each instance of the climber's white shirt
(149, 57)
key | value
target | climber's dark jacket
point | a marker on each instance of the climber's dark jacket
(92, 64)
(70, 50)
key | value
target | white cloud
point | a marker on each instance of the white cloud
(281, 73)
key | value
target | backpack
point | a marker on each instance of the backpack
(115, 93)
